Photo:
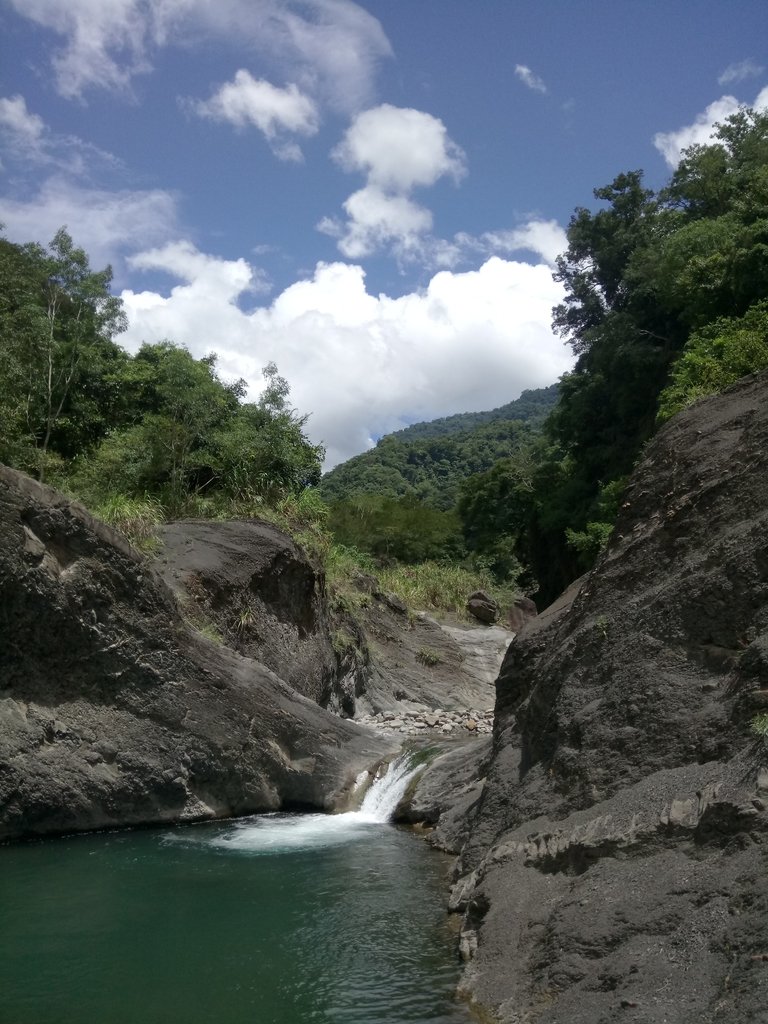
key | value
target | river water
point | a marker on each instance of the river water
(276, 919)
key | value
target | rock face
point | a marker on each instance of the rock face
(113, 711)
(416, 663)
(257, 589)
(617, 863)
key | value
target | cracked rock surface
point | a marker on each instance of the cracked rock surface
(614, 864)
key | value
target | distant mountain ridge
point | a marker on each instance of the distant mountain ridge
(430, 460)
(533, 405)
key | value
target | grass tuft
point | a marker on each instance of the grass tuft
(136, 518)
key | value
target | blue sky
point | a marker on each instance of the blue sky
(370, 194)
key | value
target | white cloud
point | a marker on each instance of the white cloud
(377, 219)
(29, 141)
(105, 224)
(544, 237)
(229, 278)
(105, 40)
(672, 144)
(739, 71)
(362, 364)
(529, 79)
(398, 149)
(23, 131)
(275, 112)
(331, 47)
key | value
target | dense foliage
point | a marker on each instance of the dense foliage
(160, 427)
(431, 460)
(666, 301)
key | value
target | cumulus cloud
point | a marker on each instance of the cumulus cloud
(398, 149)
(106, 224)
(376, 220)
(329, 46)
(470, 340)
(248, 101)
(672, 144)
(739, 71)
(529, 79)
(546, 238)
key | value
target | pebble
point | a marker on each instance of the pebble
(420, 719)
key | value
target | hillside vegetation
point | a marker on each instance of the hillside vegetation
(431, 460)
(666, 301)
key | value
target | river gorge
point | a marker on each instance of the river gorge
(610, 834)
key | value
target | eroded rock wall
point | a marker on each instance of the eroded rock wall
(617, 864)
(113, 711)
(252, 584)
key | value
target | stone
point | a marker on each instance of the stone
(482, 606)
(117, 660)
(586, 900)
(394, 603)
(522, 611)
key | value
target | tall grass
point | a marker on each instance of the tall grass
(136, 518)
(443, 586)
(440, 587)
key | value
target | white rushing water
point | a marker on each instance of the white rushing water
(283, 833)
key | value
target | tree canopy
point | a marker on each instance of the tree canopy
(76, 407)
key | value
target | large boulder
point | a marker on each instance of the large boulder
(114, 711)
(256, 588)
(482, 606)
(617, 863)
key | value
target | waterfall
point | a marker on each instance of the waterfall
(291, 833)
(386, 792)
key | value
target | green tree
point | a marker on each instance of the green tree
(57, 320)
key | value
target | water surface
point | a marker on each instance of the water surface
(268, 920)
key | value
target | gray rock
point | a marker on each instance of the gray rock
(483, 606)
(90, 636)
(614, 864)
(258, 590)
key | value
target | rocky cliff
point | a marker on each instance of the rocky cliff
(248, 582)
(616, 867)
(115, 711)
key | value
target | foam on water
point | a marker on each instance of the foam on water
(286, 833)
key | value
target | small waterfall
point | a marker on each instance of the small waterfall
(280, 833)
(386, 792)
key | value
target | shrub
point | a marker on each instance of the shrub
(427, 656)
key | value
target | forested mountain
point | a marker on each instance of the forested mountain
(666, 301)
(533, 406)
(431, 460)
